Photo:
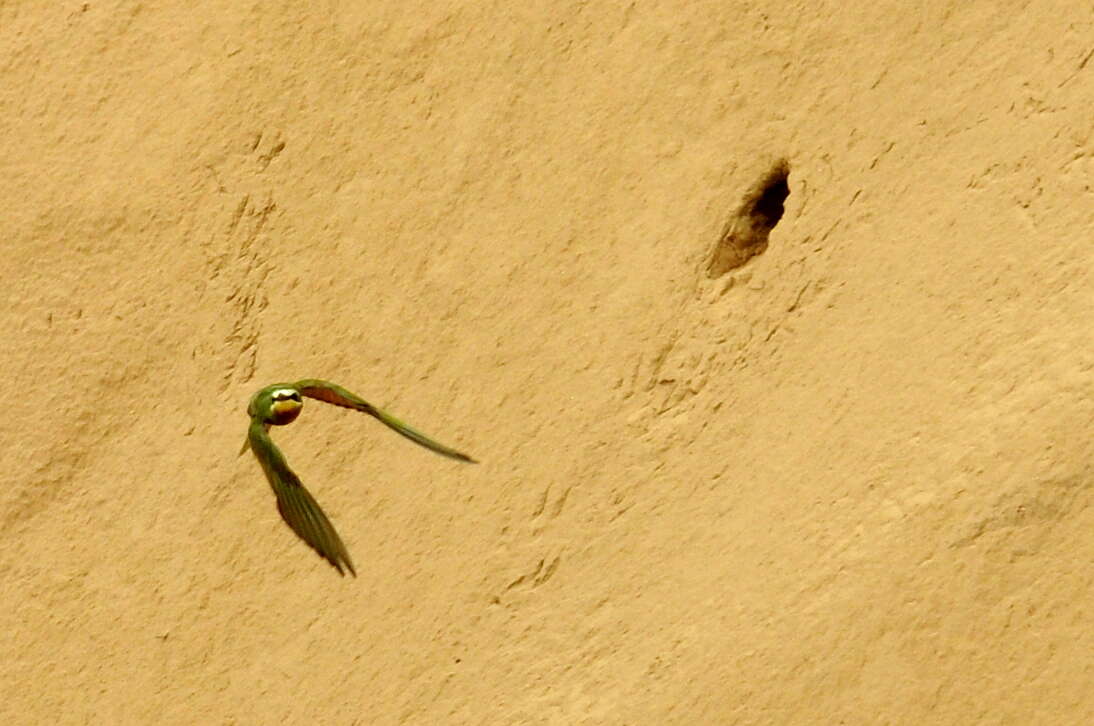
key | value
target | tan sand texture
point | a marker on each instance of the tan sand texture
(849, 480)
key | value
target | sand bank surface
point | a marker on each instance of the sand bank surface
(770, 325)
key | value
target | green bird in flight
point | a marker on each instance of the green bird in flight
(280, 404)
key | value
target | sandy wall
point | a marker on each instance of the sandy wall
(849, 481)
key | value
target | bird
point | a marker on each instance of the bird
(280, 404)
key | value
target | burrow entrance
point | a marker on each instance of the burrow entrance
(745, 234)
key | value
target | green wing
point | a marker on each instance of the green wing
(297, 507)
(330, 393)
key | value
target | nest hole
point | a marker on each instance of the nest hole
(746, 233)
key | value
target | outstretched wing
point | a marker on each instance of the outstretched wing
(330, 393)
(297, 507)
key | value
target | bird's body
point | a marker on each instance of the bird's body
(280, 404)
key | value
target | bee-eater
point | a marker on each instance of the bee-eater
(280, 404)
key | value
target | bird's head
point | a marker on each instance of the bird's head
(277, 405)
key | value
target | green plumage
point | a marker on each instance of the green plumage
(278, 405)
